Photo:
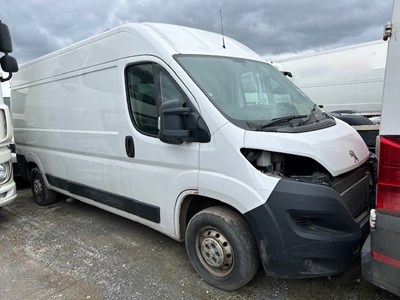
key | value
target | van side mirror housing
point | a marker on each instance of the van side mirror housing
(179, 123)
(5, 39)
(8, 64)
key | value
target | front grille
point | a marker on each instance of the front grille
(354, 189)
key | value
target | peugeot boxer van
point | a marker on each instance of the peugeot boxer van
(198, 139)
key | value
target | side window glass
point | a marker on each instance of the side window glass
(142, 97)
(148, 85)
(168, 89)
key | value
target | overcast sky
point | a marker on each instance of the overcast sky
(270, 27)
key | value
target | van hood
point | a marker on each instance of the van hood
(338, 148)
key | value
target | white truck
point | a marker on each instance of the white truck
(9, 65)
(381, 252)
(204, 142)
(343, 79)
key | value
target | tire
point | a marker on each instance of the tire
(41, 194)
(221, 248)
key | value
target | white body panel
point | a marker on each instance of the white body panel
(349, 78)
(8, 190)
(71, 120)
(390, 124)
(225, 174)
(324, 148)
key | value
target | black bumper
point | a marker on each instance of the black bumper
(305, 230)
(384, 241)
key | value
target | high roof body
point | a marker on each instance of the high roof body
(133, 39)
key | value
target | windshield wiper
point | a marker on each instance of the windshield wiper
(274, 121)
(311, 115)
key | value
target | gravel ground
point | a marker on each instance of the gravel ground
(70, 250)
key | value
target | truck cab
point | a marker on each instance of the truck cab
(8, 65)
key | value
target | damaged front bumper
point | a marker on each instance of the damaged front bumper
(307, 230)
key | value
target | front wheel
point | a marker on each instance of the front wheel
(41, 194)
(221, 248)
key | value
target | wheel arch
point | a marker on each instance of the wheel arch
(29, 161)
(191, 205)
(29, 167)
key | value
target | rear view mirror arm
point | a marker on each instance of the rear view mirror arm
(3, 79)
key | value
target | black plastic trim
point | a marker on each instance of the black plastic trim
(132, 206)
(305, 230)
(321, 124)
(22, 166)
(384, 239)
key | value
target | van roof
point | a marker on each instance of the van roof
(159, 39)
(195, 41)
(128, 40)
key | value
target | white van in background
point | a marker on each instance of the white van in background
(381, 251)
(201, 141)
(343, 79)
(9, 65)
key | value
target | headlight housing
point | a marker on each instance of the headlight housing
(5, 172)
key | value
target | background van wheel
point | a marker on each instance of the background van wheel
(221, 248)
(41, 194)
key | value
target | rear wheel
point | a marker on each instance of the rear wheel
(41, 194)
(221, 248)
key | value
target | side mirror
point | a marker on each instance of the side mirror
(172, 122)
(5, 39)
(8, 64)
(179, 123)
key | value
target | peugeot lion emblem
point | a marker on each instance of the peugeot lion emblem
(352, 154)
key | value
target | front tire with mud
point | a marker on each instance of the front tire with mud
(41, 194)
(221, 248)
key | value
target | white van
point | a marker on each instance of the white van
(205, 143)
(342, 79)
(381, 251)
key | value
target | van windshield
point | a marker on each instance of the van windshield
(251, 94)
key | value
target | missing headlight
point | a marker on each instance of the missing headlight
(287, 165)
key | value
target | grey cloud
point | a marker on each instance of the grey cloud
(270, 27)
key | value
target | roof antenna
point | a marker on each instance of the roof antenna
(222, 29)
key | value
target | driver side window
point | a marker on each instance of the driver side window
(147, 86)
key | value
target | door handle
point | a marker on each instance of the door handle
(129, 146)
